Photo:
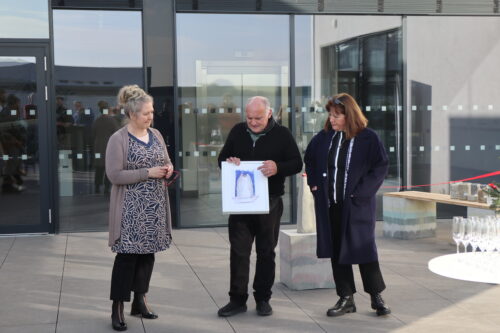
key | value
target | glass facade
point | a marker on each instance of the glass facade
(19, 144)
(222, 60)
(159, 63)
(433, 101)
(453, 103)
(309, 119)
(95, 54)
(24, 19)
(363, 57)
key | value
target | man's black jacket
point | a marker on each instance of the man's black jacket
(278, 145)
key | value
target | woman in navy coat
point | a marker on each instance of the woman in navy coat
(345, 164)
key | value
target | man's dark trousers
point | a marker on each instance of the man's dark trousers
(243, 229)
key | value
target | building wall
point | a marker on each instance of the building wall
(457, 57)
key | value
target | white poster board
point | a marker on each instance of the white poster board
(244, 189)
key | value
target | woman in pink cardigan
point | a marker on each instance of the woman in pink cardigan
(137, 162)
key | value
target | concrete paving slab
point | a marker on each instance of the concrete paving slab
(98, 324)
(64, 280)
(184, 322)
(33, 302)
(316, 304)
(30, 281)
(38, 328)
(286, 315)
(5, 246)
(178, 294)
(450, 319)
(86, 281)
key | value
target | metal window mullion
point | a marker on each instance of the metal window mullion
(291, 104)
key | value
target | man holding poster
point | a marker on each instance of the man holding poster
(260, 138)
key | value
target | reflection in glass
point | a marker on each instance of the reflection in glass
(454, 101)
(222, 61)
(362, 56)
(96, 53)
(309, 116)
(24, 19)
(19, 164)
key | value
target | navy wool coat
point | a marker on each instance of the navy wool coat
(366, 168)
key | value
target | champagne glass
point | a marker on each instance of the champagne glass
(491, 233)
(467, 233)
(483, 234)
(476, 233)
(497, 235)
(457, 230)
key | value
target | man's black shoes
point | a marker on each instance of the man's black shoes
(231, 308)
(379, 305)
(344, 305)
(264, 308)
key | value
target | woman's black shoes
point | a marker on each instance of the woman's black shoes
(379, 305)
(117, 317)
(139, 307)
(344, 305)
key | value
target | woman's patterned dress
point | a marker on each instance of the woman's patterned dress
(144, 213)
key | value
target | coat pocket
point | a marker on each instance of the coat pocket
(361, 210)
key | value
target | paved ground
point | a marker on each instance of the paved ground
(61, 284)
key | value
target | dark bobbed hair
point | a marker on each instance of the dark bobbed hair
(355, 120)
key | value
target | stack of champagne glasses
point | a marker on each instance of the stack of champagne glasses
(480, 234)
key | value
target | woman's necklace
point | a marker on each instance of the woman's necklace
(144, 138)
(142, 135)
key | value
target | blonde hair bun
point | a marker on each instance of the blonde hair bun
(132, 97)
(127, 93)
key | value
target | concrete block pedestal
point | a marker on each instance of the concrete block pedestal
(300, 269)
(471, 211)
(409, 219)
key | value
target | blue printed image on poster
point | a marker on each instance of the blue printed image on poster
(244, 186)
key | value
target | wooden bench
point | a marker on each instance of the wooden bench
(412, 214)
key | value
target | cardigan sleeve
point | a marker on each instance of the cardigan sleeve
(115, 161)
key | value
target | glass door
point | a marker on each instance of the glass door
(215, 79)
(24, 178)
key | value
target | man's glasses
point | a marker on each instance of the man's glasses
(175, 175)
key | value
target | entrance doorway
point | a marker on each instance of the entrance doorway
(24, 140)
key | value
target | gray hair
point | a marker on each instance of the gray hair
(132, 98)
(260, 99)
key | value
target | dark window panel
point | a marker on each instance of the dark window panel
(410, 6)
(402, 7)
(290, 6)
(104, 4)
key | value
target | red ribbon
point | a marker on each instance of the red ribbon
(486, 175)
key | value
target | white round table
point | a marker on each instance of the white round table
(477, 267)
